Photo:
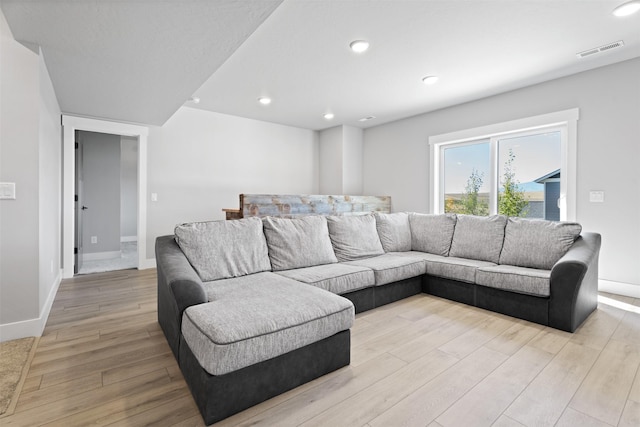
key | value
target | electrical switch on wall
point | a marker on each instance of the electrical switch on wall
(596, 196)
(154, 197)
(7, 190)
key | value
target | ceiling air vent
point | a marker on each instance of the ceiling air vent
(600, 49)
(366, 119)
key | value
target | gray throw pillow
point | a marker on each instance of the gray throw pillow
(537, 243)
(478, 237)
(298, 242)
(354, 237)
(432, 233)
(224, 249)
(394, 231)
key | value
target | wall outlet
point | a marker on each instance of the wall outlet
(94, 239)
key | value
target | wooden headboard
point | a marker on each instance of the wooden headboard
(289, 206)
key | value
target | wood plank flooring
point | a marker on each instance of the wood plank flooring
(423, 361)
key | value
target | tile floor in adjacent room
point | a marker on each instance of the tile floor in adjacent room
(128, 259)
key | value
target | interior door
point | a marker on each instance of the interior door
(79, 207)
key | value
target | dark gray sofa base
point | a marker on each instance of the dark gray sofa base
(449, 289)
(574, 290)
(370, 298)
(527, 307)
(219, 397)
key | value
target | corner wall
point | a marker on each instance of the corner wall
(396, 155)
(30, 153)
(341, 160)
(199, 163)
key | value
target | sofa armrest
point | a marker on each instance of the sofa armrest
(179, 287)
(574, 283)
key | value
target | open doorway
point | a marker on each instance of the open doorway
(106, 202)
(71, 124)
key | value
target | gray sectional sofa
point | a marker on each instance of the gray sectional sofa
(254, 307)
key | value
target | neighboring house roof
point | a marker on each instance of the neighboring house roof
(551, 175)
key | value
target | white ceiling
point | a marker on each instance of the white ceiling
(139, 61)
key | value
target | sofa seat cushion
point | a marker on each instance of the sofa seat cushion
(223, 249)
(262, 319)
(337, 278)
(461, 269)
(420, 255)
(517, 279)
(392, 267)
(218, 288)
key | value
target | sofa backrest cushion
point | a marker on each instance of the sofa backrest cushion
(394, 231)
(432, 233)
(354, 237)
(537, 243)
(298, 242)
(224, 249)
(478, 237)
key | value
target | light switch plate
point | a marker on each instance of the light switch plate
(7, 190)
(596, 196)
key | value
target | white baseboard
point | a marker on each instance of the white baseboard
(97, 256)
(124, 239)
(31, 327)
(619, 288)
(147, 263)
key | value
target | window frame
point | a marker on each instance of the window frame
(565, 121)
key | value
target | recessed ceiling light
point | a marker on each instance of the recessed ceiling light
(329, 116)
(429, 80)
(194, 99)
(628, 8)
(264, 100)
(359, 46)
(366, 119)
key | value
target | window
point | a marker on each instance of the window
(466, 172)
(523, 168)
(529, 175)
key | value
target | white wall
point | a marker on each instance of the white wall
(396, 155)
(199, 162)
(19, 146)
(29, 156)
(50, 188)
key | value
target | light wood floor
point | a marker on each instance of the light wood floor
(422, 361)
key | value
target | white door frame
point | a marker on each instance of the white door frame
(70, 124)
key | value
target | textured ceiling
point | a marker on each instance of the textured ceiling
(139, 61)
(134, 61)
